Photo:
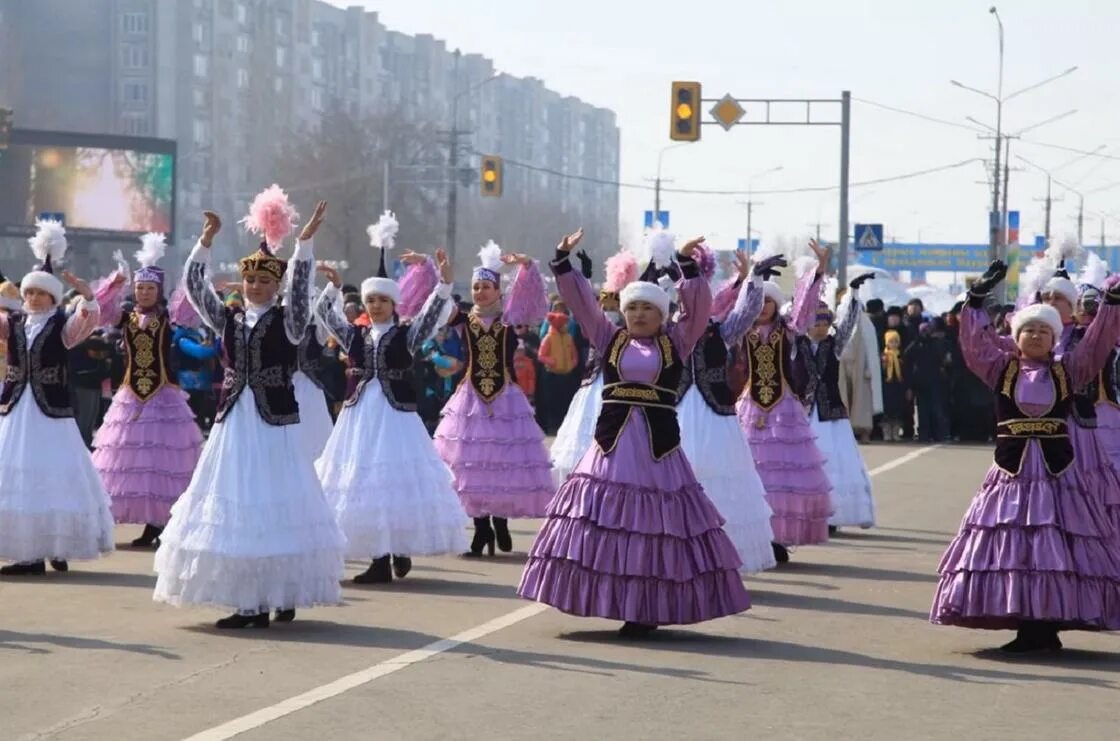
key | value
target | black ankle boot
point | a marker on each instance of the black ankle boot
(781, 555)
(285, 616)
(832, 529)
(483, 538)
(27, 568)
(635, 630)
(1034, 635)
(59, 564)
(401, 566)
(377, 573)
(149, 538)
(501, 534)
(237, 621)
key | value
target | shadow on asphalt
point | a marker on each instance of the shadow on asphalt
(1067, 657)
(813, 603)
(848, 571)
(872, 536)
(325, 633)
(88, 578)
(446, 587)
(767, 578)
(10, 639)
(687, 641)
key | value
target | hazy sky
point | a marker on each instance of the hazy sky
(623, 55)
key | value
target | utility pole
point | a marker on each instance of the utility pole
(750, 204)
(1080, 220)
(1102, 234)
(385, 188)
(1046, 238)
(453, 166)
(845, 148)
(1003, 213)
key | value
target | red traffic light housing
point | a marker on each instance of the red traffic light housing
(684, 115)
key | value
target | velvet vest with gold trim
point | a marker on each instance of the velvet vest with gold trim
(657, 400)
(707, 370)
(489, 356)
(42, 365)
(1015, 429)
(769, 369)
(147, 350)
(262, 359)
(387, 361)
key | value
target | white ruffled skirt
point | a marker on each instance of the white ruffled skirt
(577, 431)
(314, 416)
(388, 488)
(52, 501)
(253, 531)
(722, 461)
(852, 502)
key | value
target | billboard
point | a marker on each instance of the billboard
(895, 256)
(107, 187)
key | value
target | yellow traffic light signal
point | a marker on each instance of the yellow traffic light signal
(491, 185)
(684, 114)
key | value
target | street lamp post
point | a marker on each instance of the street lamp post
(750, 202)
(657, 180)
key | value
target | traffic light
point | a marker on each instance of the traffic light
(684, 116)
(5, 127)
(491, 181)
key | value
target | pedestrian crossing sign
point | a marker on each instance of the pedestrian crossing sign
(869, 236)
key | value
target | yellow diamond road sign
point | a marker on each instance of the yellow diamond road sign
(727, 112)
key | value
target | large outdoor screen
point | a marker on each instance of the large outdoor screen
(105, 186)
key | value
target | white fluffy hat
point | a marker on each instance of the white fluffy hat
(1062, 286)
(774, 292)
(642, 291)
(49, 246)
(1037, 313)
(382, 287)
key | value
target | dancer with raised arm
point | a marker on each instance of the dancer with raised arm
(253, 531)
(388, 488)
(487, 433)
(1036, 552)
(630, 535)
(53, 504)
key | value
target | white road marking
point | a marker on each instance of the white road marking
(903, 459)
(357, 679)
(339, 686)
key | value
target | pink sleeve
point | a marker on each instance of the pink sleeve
(417, 284)
(1086, 360)
(695, 300)
(81, 323)
(584, 305)
(806, 294)
(528, 299)
(179, 308)
(724, 299)
(109, 298)
(983, 352)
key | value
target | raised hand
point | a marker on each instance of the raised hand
(443, 264)
(314, 222)
(77, 284)
(690, 246)
(584, 263)
(822, 254)
(859, 280)
(516, 258)
(331, 273)
(768, 266)
(413, 258)
(991, 278)
(210, 228)
(570, 241)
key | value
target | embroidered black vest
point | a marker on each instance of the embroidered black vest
(822, 378)
(489, 356)
(43, 366)
(310, 356)
(263, 361)
(707, 369)
(1084, 399)
(769, 370)
(1015, 429)
(147, 351)
(387, 361)
(1108, 381)
(593, 369)
(657, 400)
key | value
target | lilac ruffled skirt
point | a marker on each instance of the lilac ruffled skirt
(630, 538)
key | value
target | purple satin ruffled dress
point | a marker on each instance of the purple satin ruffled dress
(1033, 546)
(629, 537)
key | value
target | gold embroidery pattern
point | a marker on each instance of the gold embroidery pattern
(1033, 428)
(487, 358)
(145, 374)
(1009, 377)
(765, 380)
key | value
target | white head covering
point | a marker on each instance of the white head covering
(49, 246)
(1037, 313)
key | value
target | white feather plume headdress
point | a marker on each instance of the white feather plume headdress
(49, 247)
(153, 246)
(383, 234)
(489, 263)
(1094, 272)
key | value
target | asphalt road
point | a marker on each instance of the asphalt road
(837, 646)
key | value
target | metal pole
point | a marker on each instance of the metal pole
(1046, 237)
(750, 210)
(385, 188)
(453, 156)
(1004, 226)
(845, 146)
(657, 197)
(1080, 220)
